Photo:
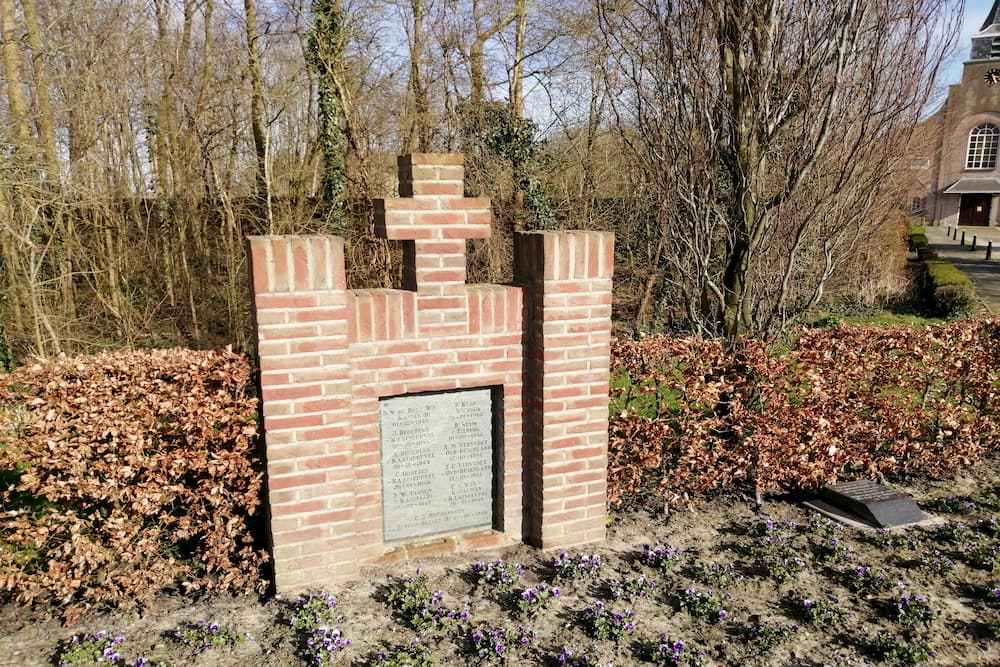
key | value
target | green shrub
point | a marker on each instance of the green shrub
(918, 242)
(946, 291)
(953, 293)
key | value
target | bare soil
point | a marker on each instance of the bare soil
(717, 530)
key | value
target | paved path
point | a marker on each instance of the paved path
(985, 274)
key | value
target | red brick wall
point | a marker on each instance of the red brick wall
(327, 354)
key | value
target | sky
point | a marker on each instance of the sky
(975, 14)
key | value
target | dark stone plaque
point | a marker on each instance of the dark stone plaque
(874, 503)
(437, 462)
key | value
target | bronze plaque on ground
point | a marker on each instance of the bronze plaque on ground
(874, 503)
(437, 462)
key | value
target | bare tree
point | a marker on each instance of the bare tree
(734, 109)
(739, 149)
(45, 117)
(485, 27)
(516, 87)
(418, 136)
(256, 97)
(27, 243)
(12, 68)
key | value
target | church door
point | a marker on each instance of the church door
(974, 210)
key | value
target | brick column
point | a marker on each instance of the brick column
(300, 307)
(567, 276)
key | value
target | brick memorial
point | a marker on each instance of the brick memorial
(439, 417)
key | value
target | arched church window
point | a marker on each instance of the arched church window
(983, 142)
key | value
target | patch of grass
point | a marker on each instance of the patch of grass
(850, 315)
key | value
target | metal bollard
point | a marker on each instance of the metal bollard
(989, 250)
(963, 237)
(954, 233)
(973, 248)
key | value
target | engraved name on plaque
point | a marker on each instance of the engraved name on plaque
(437, 462)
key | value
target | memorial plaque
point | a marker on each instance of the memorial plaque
(874, 503)
(437, 462)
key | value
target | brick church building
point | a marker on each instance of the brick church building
(963, 180)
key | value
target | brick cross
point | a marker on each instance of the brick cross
(434, 219)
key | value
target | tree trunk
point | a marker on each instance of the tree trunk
(162, 146)
(256, 99)
(477, 53)
(326, 54)
(477, 72)
(12, 71)
(62, 224)
(10, 227)
(44, 119)
(419, 136)
(741, 154)
(517, 71)
(15, 306)
(206, 86)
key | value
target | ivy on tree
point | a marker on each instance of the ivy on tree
(325, 54)
(505, 135)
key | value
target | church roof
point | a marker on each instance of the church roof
(972, 186)
(993, 17)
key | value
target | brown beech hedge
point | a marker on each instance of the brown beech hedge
(843, 403)
(127, 473)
